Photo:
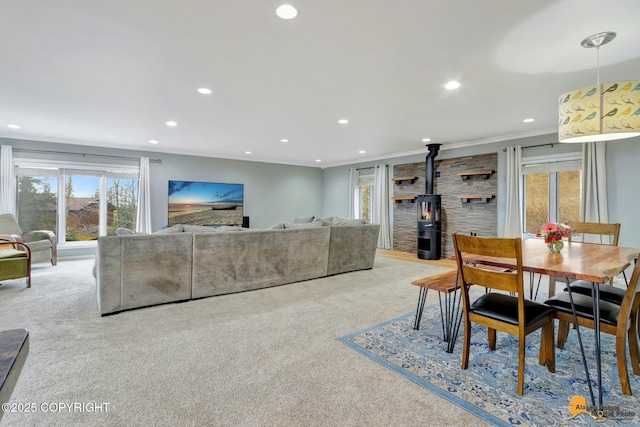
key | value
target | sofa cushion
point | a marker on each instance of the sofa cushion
(188, 228)
(276, 227)
(349, 222)
(303, 219)
(124, 232)
(230, 228)
(178, 228)
(305, 225)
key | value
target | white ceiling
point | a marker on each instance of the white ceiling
(111, 72)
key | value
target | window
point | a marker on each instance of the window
(79, 201)
(552, 190)
(364, 204)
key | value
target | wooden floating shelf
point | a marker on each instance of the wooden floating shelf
(399, 199)
(484, 173)
(483, 197)
(399, 179)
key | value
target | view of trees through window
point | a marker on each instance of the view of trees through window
(38, 204)
(365, 202)
(551, 196)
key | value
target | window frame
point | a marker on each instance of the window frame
(550, 163)
(104, 171)
(363, 181)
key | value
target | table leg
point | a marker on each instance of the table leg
(455, 320)
(575, 322)
(444, 316)
(421, 300)
(596, 327)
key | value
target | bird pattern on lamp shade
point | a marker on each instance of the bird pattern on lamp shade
(606, 108)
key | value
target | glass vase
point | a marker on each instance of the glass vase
(555, 246)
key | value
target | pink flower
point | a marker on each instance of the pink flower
(552, 231)
(550, 227)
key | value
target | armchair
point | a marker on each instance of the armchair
(15, 261)
(42, 243)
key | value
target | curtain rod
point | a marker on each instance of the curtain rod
(504, 150)
(26, 150)
(371, 167)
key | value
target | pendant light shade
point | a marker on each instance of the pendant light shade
(600, 112)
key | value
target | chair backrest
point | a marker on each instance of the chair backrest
(474, 274)
(631, 301)
(596, 232)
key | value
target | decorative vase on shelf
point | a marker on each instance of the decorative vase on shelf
(555, 246)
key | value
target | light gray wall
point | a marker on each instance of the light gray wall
(273, 193)
(623, 183)
(623, 188)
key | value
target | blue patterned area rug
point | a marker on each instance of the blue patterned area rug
(487, 388)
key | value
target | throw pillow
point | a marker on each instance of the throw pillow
(325, 221)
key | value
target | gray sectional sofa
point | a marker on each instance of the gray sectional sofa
(140, 270)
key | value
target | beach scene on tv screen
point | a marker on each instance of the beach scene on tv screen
(205, 203)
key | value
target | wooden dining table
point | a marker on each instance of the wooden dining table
(577, 261)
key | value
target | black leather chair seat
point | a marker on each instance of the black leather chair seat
(584, 307)
(607, 292)
(505, 308)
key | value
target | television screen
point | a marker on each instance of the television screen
(205, 203)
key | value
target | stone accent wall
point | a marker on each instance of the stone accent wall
(473, 217)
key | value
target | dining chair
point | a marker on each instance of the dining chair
(498, 311)
(620, 320)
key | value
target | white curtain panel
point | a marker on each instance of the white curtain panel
(143, 220)
(354, 201)
(7, 181)
(513, 217)
(381, 206)
(594, 186)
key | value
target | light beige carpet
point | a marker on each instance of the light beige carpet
(261, 358)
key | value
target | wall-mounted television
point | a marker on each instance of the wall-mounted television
(205, 203)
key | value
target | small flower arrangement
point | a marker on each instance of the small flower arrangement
(553, 234)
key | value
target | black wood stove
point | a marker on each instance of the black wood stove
(429, 209)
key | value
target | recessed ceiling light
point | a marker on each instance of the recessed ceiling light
(204, 91)
(172, 123)
(426, 139)
(286, 11)
(343, 121)
(153, 141)
(318, 160)
(247, 152)
(284, 140)
(12, 126)
(529, 120)
(361, 151)
(452, 85)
